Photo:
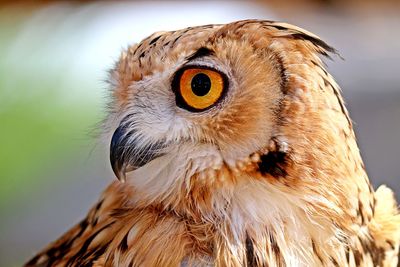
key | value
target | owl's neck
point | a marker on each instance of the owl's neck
(259, 225)
(248, 216)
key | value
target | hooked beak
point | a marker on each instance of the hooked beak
(127, 154)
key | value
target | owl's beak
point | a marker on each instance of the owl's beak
(117, 155)
(126, 154)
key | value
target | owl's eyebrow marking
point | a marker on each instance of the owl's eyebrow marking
(201, 52)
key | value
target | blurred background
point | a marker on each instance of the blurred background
(54, 58)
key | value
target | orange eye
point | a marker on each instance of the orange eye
(199, 88)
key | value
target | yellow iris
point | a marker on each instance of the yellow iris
(200, 88)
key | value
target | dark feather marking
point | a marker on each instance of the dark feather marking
(98, 205)
(201, 52)
(273, 163)
(155, 40)
(357, 256)
(176, 39)
(347, 253)
(321, 67)
(93, 255)
(334, 262)
(279, 27)
(391, 245)
(373, 207)
(276, 250)
(360, 212)
(124, 243)
(95, 221)
(327, 83)
(341, 104)
(315, 41)
(363, 167)
(99, 251)
(324, 71)
(316, 252)
(377, 253)
(398, 258)
(251, 260)
(53, 253)
(369, 248)
(82, 252)
(34, 260)
(282, 72)
(342, 107)
(137, 48)
(315, 63)
(94, 217)
(166, 44)
(142, 54)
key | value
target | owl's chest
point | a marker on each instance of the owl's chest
(237, 240)
(200, 246)
(255, 224)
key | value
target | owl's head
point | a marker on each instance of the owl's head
(218, 106)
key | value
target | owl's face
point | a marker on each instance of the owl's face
(217, 104)
(222, 95)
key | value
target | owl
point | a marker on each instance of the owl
(232, 147)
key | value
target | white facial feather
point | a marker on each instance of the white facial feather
(167, 174)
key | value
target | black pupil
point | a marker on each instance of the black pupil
(201, 84)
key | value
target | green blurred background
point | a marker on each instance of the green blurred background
(53, 67)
